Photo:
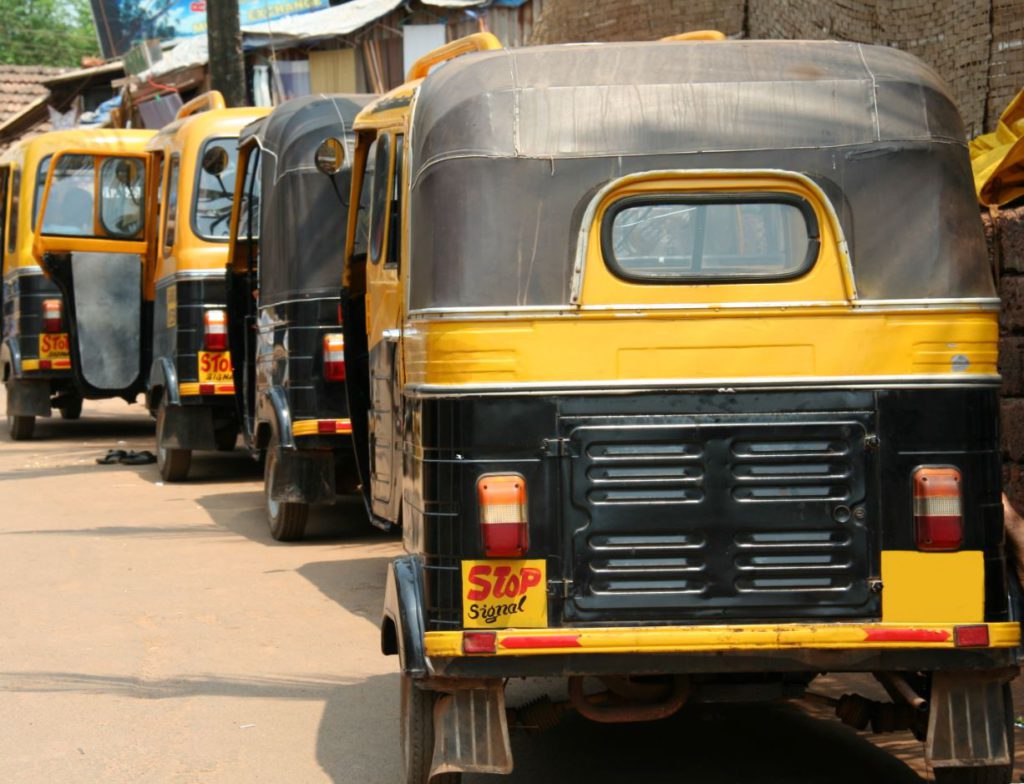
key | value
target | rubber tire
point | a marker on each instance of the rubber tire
(71, 410)
(225, 438)
(173, 464)
(416, 711)
(988, 774)
(287, 520)
(20, 428)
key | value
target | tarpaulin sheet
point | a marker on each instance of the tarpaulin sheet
(997, 158)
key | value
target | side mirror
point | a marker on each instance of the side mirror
(331, 156)
(215, 160)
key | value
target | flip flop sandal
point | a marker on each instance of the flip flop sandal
(144, 457)
(113, 456)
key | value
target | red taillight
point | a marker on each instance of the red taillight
(334, 357)
(479, 642)
(51, 315)
(215, 323)
(503, 523)
(971, 636)
(938, 508)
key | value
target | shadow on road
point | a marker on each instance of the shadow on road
(343, 754)
(724, 744)
(243, 513)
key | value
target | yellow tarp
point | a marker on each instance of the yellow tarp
(998, 158)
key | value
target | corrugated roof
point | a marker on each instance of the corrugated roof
(21, 85)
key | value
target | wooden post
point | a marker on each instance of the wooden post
(224, 37)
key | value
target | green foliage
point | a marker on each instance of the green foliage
(46, 32)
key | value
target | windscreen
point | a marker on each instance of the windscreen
(214, 195)
(69, 208)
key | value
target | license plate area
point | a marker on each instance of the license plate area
(719, 517)
(215, 367)
(54, 347)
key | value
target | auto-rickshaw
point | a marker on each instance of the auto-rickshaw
(679, 370)
(35, 358)
(191, 386)
(283, 304)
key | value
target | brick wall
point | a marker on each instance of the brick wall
(564, 21)
(1006, 243)
(976, 45)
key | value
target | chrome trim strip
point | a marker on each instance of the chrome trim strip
(189, 275)
(718, 385)
(578, 269)
(23, 272)
(975, 305)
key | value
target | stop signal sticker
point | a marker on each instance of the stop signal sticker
(499, 594)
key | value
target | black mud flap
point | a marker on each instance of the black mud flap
(970, 720)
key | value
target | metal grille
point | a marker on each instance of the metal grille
(718, 518)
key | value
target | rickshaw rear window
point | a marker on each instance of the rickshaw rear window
(122, 205)
(709, 238)
(214, 196)
(69, 205)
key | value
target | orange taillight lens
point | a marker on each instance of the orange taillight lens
(334, 357)
(503, 523)
(51, 315)
(215, 329)
(938, 508)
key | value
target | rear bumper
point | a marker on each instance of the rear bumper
(714, 649)
(716, 639)
(193, 389)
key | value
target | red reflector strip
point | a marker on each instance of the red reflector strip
(207, 389)
(906, 635)
(45, 364)
(327, 426)
(479, 642)
(542, 641)
(971, 636)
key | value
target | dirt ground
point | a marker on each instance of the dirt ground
(153, 632)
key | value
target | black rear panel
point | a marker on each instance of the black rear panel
(23, 297)
(719, 516)
(701, 507)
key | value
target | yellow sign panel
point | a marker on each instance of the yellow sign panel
(499, 594)
(54, 346)
(215, 367)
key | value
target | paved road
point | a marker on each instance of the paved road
(153, 632)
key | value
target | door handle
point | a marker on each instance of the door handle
(391, 335)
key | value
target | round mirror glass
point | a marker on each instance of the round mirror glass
(330, 156)
(215, 160)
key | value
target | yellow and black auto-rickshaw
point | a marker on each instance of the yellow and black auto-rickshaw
(283, 304)
(679, 371)
(35, 359)
(191, 385)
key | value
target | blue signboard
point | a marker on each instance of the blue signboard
(123, 23)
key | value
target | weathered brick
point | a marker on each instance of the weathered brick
(1012, 416)
(1011, 365)
(1013, 484)
(1011, 292)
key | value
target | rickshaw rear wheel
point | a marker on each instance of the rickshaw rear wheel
(287, 519)
(20, 428)
(71, 409)
(173, 463)
(417, 734)
(985, 774)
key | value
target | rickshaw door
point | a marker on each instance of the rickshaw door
(383, 320)
(91, 240)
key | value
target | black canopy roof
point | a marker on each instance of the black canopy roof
(302, 220)
(519, 140)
